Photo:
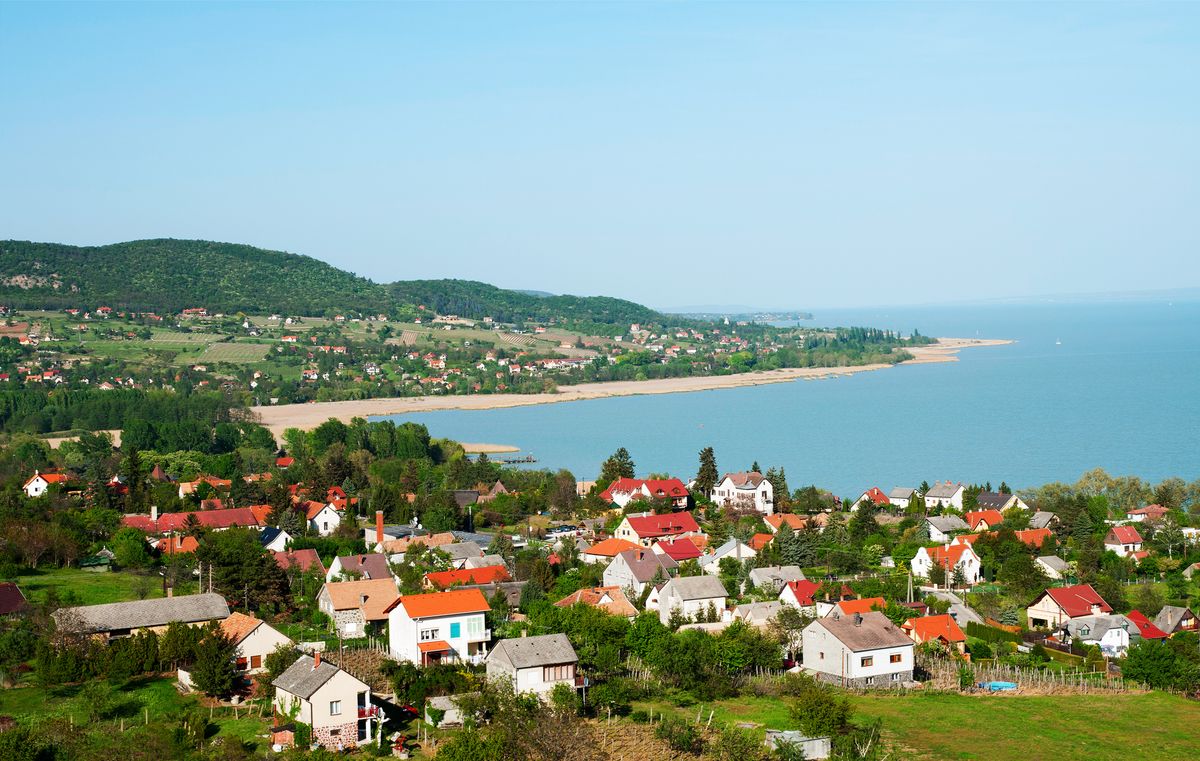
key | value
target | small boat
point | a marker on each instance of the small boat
(1058, 342)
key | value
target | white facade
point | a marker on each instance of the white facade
(682, 595)
(968, 561)
(257, 645)
(279, 543)
(326, 521)
(36, 486)
(538, 675)
(339, 711)
(942, 496)
(831, 660)
(466, 634)
(760, 497)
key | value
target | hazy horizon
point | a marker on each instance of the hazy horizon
(797, 155)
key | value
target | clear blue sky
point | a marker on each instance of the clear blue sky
(775, 155)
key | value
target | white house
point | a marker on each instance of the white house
(1123, 540)
(647, 528)
(1053, 566)
(274, 539)
(440, 626)
(534, 664)
(745, 490)
(948, 558)
(774, 577)
(323, 518)
(945, 495)
(39, 483)
(1110, 633)
(901, 495)
(355, 608)
(253, 639)
(734, 548)
(692, 596)
(858, 650)
(632, 570)
(335, 704)
(1057, 605)
(941, 527)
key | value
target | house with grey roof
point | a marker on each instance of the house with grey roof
(484, 561)
(461, 552)
(122, 619)
(693, 598)
(632, 570)
(1172, 619)
(1042, 519)
(773, 577)
(1053, 566)
(992, 500)
(858, 650)
(942, 527)
(336, 704)
(534, 664)
(1112, 633)
(944, 494)
(901, 496)
(734, 548)
(757, 614)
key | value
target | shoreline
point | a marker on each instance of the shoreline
(307, 416)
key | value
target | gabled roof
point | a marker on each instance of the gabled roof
(50, 478)
(1123, 535)
(217, 519)
(649, 525)
(942, 627)
(451, 603)
(948, 556)
(302, 680)
(11, 599)
(644, 564)
(611, 600)
(695, 587)
(486, 575)
(1150, 511)
(372, 596)
(303, 559)
(864, 631)
(758, 541)
(992, 518)
(1078, 600)
(239, 626)
(1041, 519)
(1169, 618)
(776, 521)
(1053, 562)
(678, 550)
(861, 605)
(875, 495)
(1146, 629)
(139, 614)
(178, 545)
(532, 652)
(662, 488)
(944, 490)
(804, 590)
(992, 500)
(312, 508)
(947, 523)
(901, 492)
(745, 480)
(1034, 537)
(611, 547)
(371, 566)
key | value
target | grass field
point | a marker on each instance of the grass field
(1001, 728)
(94, 588)
(234, 352)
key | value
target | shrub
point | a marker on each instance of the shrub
(639, 717)
(680, 735)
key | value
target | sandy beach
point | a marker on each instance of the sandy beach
(283, 416)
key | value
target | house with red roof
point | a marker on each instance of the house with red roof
(301, 560)
(647, 528)
(169, 523)
(1058, 605)
(177, 545)
(190, 487)
(12, 600)
(607, 549)
(1033, 537)
(800, 595)
(874, 495)
(983, 520)
(776, 521)
(1146, 628)
(488, 574)
(439, 626)
(678, 550)
(625, 490)
(949, 558)
(1123, 540)
(283, 463)
(39, 483)
(942, 629)
(1147, 514)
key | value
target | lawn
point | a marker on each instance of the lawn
(94, 588)
(234, 352)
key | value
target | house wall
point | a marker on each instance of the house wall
(1045, 609)
(326, 521)
(831, 661)
(689, 608)
(619, 574)
(404, 634)
(261, 642)
(285, 700)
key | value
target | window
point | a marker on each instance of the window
(895, 677)
(475, 626)
(896, 657)
(866, 660)
(455, 629)
(869, 680)
(1084, 631)
(822, 655)
(256, 661)
(335, 708)
(429, 635)
(558, 673)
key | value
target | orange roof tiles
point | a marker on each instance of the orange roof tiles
(450, 603)
(928, 628)
(238, 626)
(488, 574)
(862, 605)
(372, 596)
(610, 548)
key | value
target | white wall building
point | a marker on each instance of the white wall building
(745, 490)
(858, 650)
(534, 664)
(692, 596)
(440, 626)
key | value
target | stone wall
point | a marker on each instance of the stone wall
(330, 736)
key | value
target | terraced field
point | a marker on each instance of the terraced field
(235, 352)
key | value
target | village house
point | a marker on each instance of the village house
(1147, 514)
(300, 560)
(1123, 540)
(439, 627)
(351, 567)
(874, 496)
(357, 608)
(983, 520)
(757, 614)
(776, 521)
(334, 703)
(801, 595)
(943, 495)
(625, 490)
(1053, 566)
(611, 600)
(692, 597)
(274, 539)
(858, 650)
(12, 600)
(734, 549)
(534, 664)
(678, 550)
(1111, 633)
(217, 484)
(647, 528)
(998, 501)
(253, 640)
(1057, 605)
(467, 576)
(323, 517)
(461, 553)
(607, 549)
(745, 490)
(942, 527)
(901, 496)
(772, 578)
(39, 483)
(173, 523)
(1173, 619)
(942, 629)
(1145, 627)
(1042, 519)
(124, 619)
(632, 570)
(948, 558)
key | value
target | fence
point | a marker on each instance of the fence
(944, 675)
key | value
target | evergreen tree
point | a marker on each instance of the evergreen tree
(214, 670)
(754, 468)
(706, 477)
(620, 465)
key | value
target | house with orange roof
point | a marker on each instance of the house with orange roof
(607, 549)
(949, 558)
(611, 600)
(759, 541)
(860, 605)
(323, 517)
(357, 607)
(492, 574)
(39, 483)
(794, 522)
(874, 496)
(177, 545)
(942, 629)
(439, 627)
(190, 487)
(679, 550)
(253, 640)
(1033, 537)
(983, 520)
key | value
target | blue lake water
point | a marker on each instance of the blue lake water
(1121, 392)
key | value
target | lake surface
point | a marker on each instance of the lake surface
(1121, 392)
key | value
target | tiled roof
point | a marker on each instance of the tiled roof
(450, 603)
(371, 566)
(875, 495)
(942, 627)
(664, 524)
(304, 559)
(1145, 626)
(608, 599)
(861, 605)
(865, 631)
(348, 595)
(168, 522)
(238, 626)
(992, 517)
(486, 575)
(1078, 600)
(143, 613)
(612, 547)
(776, 521)
(531, 652)
(1123, 535)
(678, 550)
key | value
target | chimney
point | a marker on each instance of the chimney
(316, 660)
(379, 527)
(154, 513)
(858, 619)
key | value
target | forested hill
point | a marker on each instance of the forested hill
(467, 298)
(168, 275)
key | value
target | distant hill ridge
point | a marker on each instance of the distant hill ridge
(168, 275)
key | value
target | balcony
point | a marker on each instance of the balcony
(484, 636)
(369, 712)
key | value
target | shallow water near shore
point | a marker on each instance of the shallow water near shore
(1121, 391)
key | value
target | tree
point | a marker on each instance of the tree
(1156, 664)
(129, 548)
(214, 669)
(242, 570)
(820, 711)
(620, 465)
(706, 476)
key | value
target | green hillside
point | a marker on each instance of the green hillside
(168, 275)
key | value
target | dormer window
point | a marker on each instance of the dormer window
(1084, 631)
